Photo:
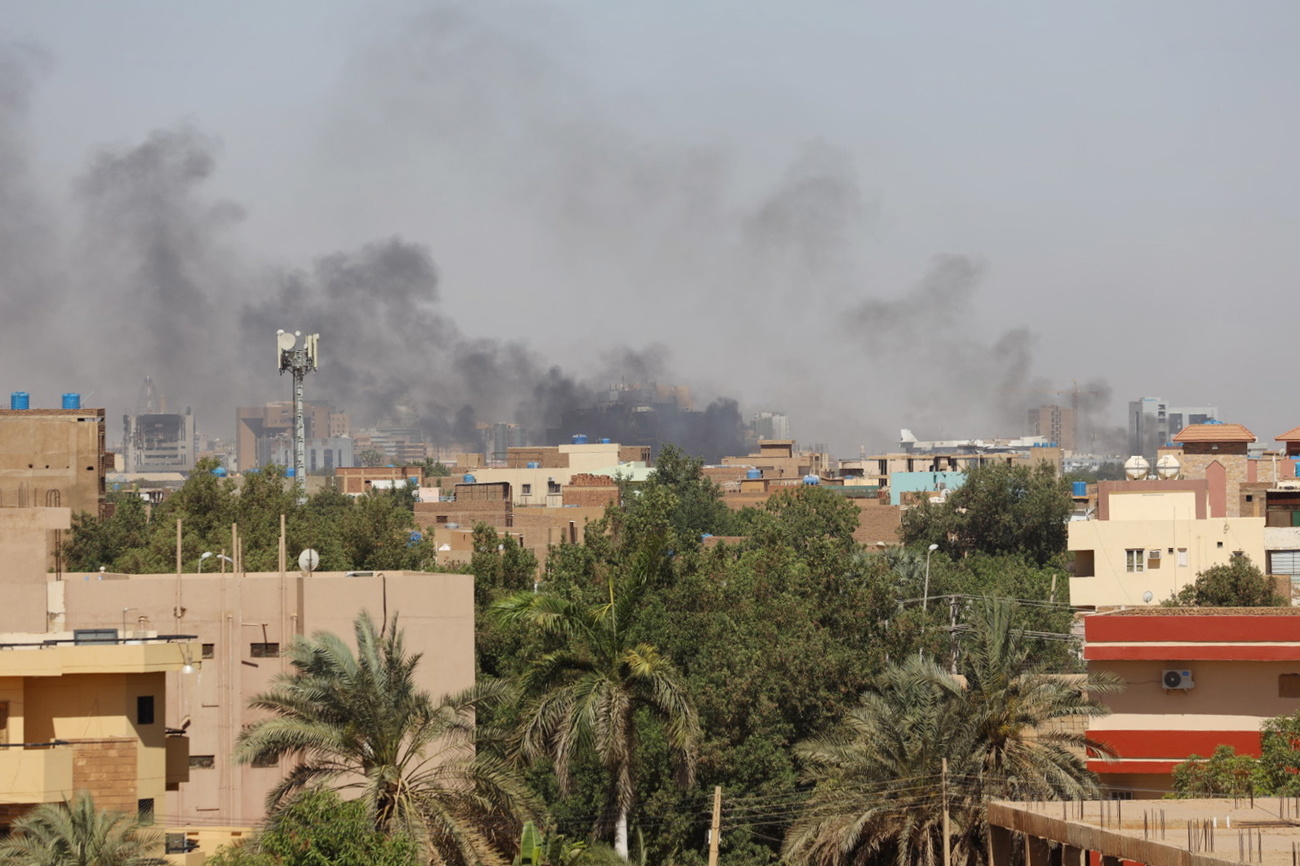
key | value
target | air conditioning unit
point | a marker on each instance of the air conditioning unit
(1153, 554)
(1176, 679)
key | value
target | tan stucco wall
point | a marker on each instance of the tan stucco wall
(1111, 584)
(1225, 693)
(231, 613)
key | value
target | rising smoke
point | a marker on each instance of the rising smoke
(516, 194)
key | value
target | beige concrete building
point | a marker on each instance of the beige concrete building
(1149, 539)
(538, 476)
(242, 622)
(52, 458)
(1196, 678)
(87, 712)
(779, 459)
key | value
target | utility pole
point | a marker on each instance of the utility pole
(947, 844)
(715, 828)
(298, 360)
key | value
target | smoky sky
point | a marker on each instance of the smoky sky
(483, 230)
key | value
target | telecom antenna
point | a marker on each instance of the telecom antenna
(298, 359)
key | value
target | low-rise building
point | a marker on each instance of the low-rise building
(1195, 679)
(86, 711)
(1148, 539)
(242, 622)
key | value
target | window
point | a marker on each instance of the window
(526, 489)
(202, 762)
(1133, 559)
(263, 650)
(209, 650)
(1288, 686)
(144, 810)
(144, 710)
(265, 762)
(552, 486)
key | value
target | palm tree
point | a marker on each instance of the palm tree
(75, 833)
(586, 696)
(878, 793)
(1006, 733)
(1031, 742)
(360, 722)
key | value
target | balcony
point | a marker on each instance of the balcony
(36, 773)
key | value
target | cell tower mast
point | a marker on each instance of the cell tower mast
(298, 359)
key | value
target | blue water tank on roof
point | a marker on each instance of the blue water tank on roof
(811, 479)
(754, 473)
(19, 400)
(1080, 488)
(469, 479)
(579, 438)
(71, 401)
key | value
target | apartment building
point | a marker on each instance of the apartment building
(87, 711)
(1196, 678)
(1149, 539)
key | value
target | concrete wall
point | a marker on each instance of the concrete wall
(1102, 578)
(231, 613)
(52, 457)
(26, 538)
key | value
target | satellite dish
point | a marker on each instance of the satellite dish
(1136, 467)
(1147, 596)
(308, 560)
(285, 341)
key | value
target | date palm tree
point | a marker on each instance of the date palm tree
(75, 833)
(1011, 730)
(585, 696)
(359, 722)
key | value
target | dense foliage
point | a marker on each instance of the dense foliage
(763, 640)
(1239, 583)
(918, 740)
(999, 509)
(1275, 773)
(375, 531)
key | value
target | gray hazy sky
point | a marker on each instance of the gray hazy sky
(867, 215)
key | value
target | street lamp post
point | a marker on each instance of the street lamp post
(205, 555)
(925, 595)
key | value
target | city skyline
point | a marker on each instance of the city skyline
(866, 218)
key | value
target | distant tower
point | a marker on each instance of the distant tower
(298, 360)
(148, 402)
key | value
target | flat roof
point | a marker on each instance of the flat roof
(1260, 830)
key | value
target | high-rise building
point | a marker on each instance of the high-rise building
(258, 427)
(1152, 423)
(771, 425)
(159, 443)
(1055, 424)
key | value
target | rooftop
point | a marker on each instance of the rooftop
(1261, 830)
(1214, 433)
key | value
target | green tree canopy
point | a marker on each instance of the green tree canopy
(999, 509)
(584, 696)
(319, 827)
(1239, 583)
(877, 777)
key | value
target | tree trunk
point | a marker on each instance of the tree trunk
(620, 834)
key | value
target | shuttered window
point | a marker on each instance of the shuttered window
(1284, 562)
